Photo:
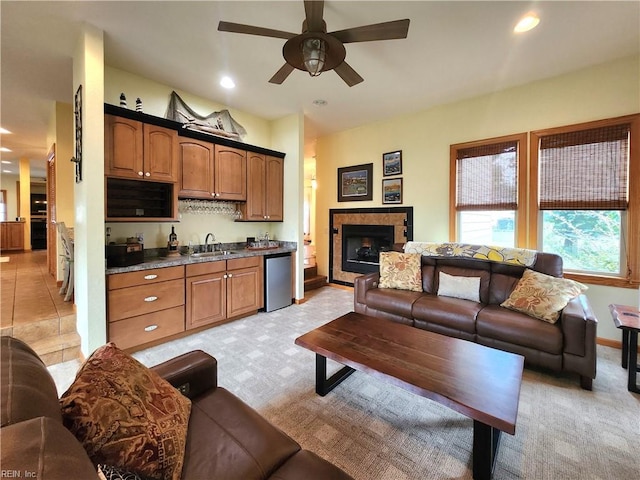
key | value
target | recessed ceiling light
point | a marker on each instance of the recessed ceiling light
(227, 82)
(4, 130)
(6, 162)
(4, 149)
(6, 171)
(526, 23)
(320, 103)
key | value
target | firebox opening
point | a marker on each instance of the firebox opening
(362, 244)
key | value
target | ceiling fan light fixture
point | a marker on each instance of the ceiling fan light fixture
(314, 52)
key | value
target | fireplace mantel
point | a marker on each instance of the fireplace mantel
(401, 218)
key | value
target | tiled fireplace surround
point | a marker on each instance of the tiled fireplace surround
(400, 217)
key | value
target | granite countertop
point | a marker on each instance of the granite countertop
(186, 259)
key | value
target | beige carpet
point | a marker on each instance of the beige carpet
(374, 430)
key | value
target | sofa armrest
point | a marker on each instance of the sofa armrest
(192, 373)
(363, 283)
(579, 325)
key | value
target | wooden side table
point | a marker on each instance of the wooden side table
(628, 320)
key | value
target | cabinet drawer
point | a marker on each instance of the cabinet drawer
(206, 268)
(134, 331)
(143, 277)
(246, 262)
(133, 301)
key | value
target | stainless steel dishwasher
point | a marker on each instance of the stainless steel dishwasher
(277, 281)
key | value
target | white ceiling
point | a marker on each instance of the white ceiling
(454, 50)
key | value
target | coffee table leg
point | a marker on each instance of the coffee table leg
(632, 384)
(625, 347)
(485, 450)
(323, 384)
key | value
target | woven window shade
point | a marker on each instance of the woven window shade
(487, 177)
(585, 170)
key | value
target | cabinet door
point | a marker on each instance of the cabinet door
(274, 189)
(15, 236)
(206, 300)
(243, 291)
(122, 147)
(255, 206)
(230, 173)
(196, 169)
(160, 154)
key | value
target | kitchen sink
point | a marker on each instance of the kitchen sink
(218, 253)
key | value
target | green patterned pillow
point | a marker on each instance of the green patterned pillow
(125, 415)
(542, 296)
(401, 271)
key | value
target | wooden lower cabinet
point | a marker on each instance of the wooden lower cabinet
(218, 291)
(145, 306)
(11, 236)
(134, 331)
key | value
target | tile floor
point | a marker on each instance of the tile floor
(33, 310)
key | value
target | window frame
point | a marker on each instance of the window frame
(521, 168)
(632, 234)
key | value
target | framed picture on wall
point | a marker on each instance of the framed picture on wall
(392, 163)
(392, 190)
(355, 183)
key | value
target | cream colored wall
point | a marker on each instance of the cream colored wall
(424, 137)
(89, 265)
(155, 99)
(8, 183)
(288, 136)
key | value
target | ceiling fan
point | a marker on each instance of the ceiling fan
(316, 51)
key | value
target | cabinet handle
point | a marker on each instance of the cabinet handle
(140, 174)
(150, 299)
(150, 277)
(147, 174)
(150, 328)
(224, 276)
(213, 194)
(230, 275)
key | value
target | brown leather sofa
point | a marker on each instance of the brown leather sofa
(568, 345)
(226, 438)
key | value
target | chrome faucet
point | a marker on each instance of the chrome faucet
(206, 241)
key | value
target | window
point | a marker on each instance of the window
(485, 191)
(586, 207)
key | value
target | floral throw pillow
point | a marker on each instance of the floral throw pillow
(125, 415)
(401, 271)
(542, 296)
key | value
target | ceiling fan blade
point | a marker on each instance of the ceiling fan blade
(314, 10)
(282, 74)
(348, 74)
(251, 30)
(379, 31)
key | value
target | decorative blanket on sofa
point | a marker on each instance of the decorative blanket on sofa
(513, 256)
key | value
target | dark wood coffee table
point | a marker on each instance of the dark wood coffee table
(477, 381)
(628, 320)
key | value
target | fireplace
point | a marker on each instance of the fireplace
(353, 253)
(362, 244)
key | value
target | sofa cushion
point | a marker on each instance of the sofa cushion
(27, 389)
(467, 288)
(397, 302)
(229, 440)
(401, 271)
(46, 450)
(125, 415)
(517, 328)
(308, 466)
(453, 313)
(542, 296)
